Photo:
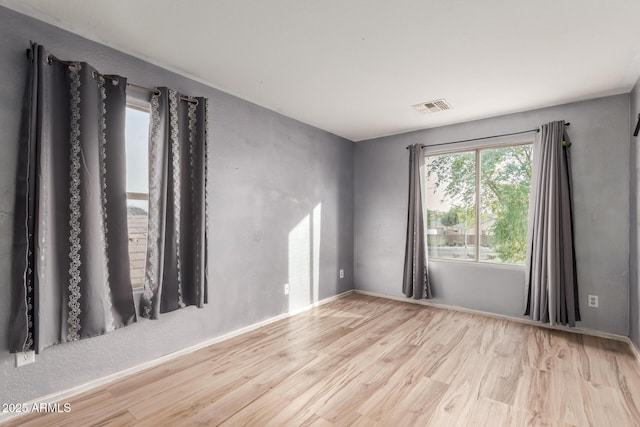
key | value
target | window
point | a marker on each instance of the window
(137, 152)
(478, 204)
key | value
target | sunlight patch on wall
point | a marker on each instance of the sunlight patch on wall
(304, 261)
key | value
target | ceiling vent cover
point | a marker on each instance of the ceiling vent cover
(432, 106)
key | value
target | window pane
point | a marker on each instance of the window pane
(451, 217)
(505, 181)
(137, 151)
(137, 215)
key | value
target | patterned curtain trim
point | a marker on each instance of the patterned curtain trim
(28, 340)
(102, 142)
(192, 138)
(177, 180)
(153, 258)
(73, 319)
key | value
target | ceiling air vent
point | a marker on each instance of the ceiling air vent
(432, 106)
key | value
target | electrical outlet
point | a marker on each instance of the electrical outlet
(593, 301)
(25, 358)
(342, 273)
(286, 289)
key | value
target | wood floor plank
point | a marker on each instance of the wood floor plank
(367, 361)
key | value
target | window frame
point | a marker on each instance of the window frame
(476, 148)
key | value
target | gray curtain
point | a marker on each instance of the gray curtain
(551, 264)
(176, 266)
(70, 265)
(415, 281)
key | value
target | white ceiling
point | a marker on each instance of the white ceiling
(355, 67)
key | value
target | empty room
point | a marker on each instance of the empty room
(319, 213)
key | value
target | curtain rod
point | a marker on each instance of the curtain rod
(484, 137)
(155, 91)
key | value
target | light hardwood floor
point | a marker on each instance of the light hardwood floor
(366, 361)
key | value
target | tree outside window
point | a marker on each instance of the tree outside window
(478, 204)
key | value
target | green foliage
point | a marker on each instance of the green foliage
(450, 218)
(455, 175)
(505, 181)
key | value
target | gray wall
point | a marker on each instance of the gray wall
(268, 173)
(634, 205)
(600, 134)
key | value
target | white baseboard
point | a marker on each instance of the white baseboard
(66, 394)
(634, 349)
(584, 331)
